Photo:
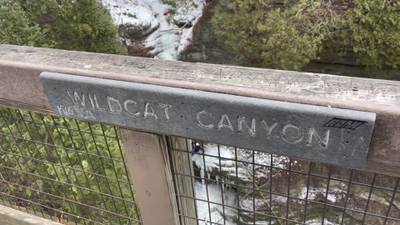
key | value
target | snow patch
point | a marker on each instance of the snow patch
(332, 196)
(229, 162)
(242, 167)
(206, 211)
(318, 222)
(131, 13)
(155, 20)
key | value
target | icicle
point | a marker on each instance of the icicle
(202, 175)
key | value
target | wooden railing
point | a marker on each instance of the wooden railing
(21, 87)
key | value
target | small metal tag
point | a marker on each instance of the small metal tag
(331, 135)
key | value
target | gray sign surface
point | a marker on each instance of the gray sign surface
(336, 136)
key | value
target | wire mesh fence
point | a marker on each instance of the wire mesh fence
(227, 185)
(74, 172)
(71, 171)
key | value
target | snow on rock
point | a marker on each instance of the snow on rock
(134, 18)
(247, 203)
(165, 34)
(189, 15)
(212, 155)
(215, 212)
(333, 195)
(242, 168)
(225, 162)
(318, 222)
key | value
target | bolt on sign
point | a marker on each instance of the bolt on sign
(324, 134)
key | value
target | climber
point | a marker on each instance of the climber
(197, 147)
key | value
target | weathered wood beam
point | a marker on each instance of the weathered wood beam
(9, 216)
(148, 166)
(20, 87)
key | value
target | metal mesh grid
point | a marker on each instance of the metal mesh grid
(67, 170)
(227, 185)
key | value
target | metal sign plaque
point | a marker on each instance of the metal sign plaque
(331, 135)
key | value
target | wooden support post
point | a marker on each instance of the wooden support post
(151, 176)
(183, 167)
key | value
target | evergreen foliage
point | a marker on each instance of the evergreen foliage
(375, 33)
(282, 34)
(17, 28)
(90, 29)
(67, 24)
(287, 34)
(67, 159)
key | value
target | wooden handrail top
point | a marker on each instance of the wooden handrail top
(20, 68)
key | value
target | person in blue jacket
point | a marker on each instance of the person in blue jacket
(197, 147)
